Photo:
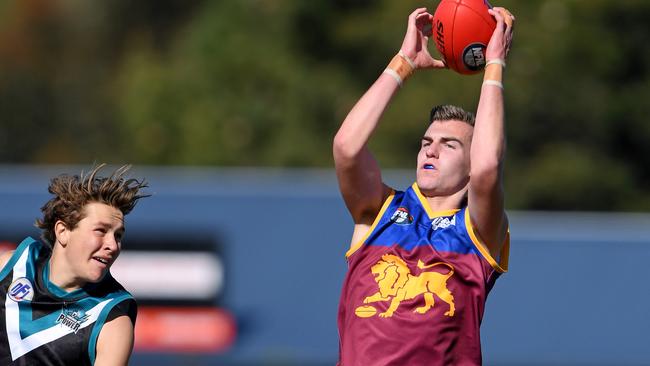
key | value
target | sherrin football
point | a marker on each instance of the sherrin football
(462, 30)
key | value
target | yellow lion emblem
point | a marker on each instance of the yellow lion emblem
(396, 284)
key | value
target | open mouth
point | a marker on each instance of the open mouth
(429, 167)
(101, 260)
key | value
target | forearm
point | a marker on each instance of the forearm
(357, 170)
(487, 155)
(355, 131)
(488, 143)
(351, 140)
(486, 196)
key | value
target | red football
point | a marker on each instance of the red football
(462, 30)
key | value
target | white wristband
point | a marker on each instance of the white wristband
(401, 53)
(394, 74)
(497, 61)
(493, 83)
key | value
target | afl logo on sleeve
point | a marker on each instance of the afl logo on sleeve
(401, 216)
(21, 290)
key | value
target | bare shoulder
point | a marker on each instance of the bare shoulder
(4, 258)
(115, 342)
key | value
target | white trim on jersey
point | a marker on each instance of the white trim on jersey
(20, 346)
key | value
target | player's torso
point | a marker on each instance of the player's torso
(44, 325)
(415, 289)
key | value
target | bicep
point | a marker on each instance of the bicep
(486, 210)
(115, 342)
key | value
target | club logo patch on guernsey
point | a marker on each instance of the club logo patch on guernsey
(21, 290)
(401, 216)
(72, 318)
(443, 222)
(396, 283)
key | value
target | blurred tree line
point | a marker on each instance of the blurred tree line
(267, 82)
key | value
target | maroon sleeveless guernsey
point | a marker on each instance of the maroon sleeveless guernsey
(416, 287)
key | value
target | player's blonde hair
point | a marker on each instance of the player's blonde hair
(72, 193)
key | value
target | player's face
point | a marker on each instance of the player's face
(93, 246)
(443, 161)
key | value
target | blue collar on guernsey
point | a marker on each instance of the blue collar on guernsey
(24, 333)
(427, 208)
(406, 220)
(417, 211)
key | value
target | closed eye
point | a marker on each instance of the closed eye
(451, 142)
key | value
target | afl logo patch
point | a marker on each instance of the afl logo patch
(401, 216)
(21, 290)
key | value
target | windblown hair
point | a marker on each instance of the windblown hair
(72, 193)
(451, 112)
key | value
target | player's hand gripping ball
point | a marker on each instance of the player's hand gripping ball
(462, 30)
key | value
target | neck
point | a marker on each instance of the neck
(444, 203)
(59, 276)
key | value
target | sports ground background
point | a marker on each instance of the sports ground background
(229, 107)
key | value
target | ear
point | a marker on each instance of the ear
(61, 232)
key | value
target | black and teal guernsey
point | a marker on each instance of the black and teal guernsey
(41, 324)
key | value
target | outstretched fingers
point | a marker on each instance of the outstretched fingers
(423, 22)
(501, 40)
(411, 43)
(414, 19)
(509, 19)
(415, 44)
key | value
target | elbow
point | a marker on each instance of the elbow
(343, 148)
(486, 163)
(487, 174)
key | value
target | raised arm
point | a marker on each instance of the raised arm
(357, 170)
(487, 155)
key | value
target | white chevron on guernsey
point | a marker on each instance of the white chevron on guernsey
(20, 346)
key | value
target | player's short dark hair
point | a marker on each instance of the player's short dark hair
(72, 193)
(451, 112)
